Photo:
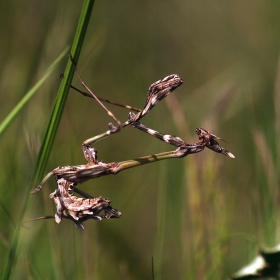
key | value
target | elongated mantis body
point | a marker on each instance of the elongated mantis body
(68, 177)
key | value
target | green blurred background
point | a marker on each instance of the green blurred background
(201, 217)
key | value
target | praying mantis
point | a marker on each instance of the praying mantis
(68, 177)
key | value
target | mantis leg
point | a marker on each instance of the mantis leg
(172, 140)
(182, 151)
(156, 93)
(47, 177)
(114, 129)
(206, 139)
(128, 107)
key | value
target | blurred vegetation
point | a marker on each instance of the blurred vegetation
(201, 217)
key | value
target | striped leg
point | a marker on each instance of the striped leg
(156, 93)
(90, 153)
(206, 139)
(172, 140)
(159, 90)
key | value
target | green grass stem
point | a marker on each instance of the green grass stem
(13, 114)
(52, 127)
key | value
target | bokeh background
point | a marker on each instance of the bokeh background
(200, 217)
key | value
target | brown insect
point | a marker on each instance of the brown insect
(94, 168)
(210, 141)
(79, 209)
(68, 177)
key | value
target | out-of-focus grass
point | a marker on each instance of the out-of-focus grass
(17, 109)
(192, 215)
(52, 126)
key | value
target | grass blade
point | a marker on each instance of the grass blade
(12, 115)
(52, 126)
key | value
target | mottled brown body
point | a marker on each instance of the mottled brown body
(79, 209)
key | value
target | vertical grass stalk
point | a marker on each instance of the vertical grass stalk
(52, 127)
